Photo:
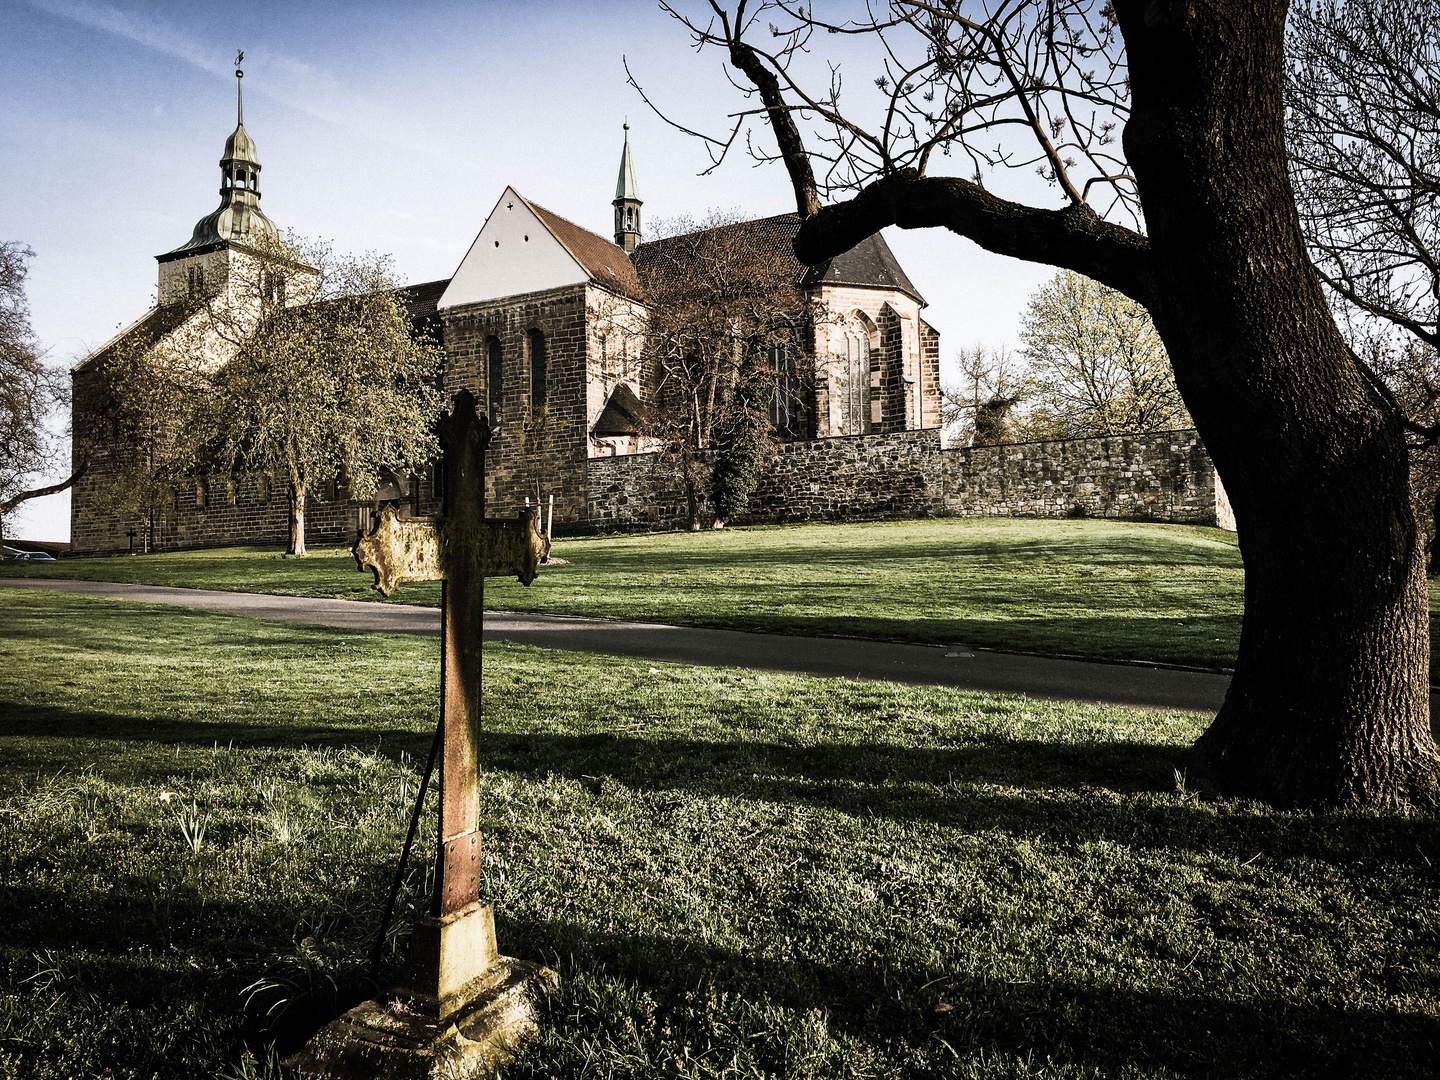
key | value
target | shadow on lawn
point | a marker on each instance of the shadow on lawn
(1199, 1030)
(1064, 792)
(1067, 793)
(163, 734)
(1112, 547)
(135, 954)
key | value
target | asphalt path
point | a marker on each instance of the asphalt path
(1140, 685)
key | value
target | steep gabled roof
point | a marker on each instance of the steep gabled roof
(142, 333)
(869, 264)
(621, 415)
(605, 262)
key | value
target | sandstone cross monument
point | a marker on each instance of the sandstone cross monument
(459, 1008)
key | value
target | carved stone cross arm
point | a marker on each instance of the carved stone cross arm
(401, 549)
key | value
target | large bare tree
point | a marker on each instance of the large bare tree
(1364, 127)
(1329, 700)
(726, 324)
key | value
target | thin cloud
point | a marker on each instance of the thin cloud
(293, 83)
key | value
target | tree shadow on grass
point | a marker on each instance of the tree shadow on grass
(1066, 793)
(158, 954)
(1198, 1030)
(59, 736)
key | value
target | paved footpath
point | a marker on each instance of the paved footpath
(970, 669)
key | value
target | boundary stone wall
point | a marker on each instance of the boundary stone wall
(1163, 475)
(1160, 474)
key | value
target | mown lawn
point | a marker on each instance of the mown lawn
(1102, 589)
(735, 874)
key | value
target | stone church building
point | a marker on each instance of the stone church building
(527, 324)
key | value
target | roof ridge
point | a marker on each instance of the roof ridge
(551, 213)
(590, 250)
(750, 222)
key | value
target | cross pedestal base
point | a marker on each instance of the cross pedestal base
(449, 957)
(397, 1039)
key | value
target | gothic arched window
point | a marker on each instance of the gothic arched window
(854, 375)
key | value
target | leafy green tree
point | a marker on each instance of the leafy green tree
(741, 458)
(335, 385)
(300, 365)
(1097, 365)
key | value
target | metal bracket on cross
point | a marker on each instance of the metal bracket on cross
(454, 978)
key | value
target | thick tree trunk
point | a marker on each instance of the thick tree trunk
(297, 520)
(1329, 702)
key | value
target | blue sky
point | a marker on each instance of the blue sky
(383, 127)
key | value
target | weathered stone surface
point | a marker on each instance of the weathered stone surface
(402, 549)
(392, 1040)
(1163, 475)
(450, 958)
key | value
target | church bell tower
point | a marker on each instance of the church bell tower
(199, 266)
(627, 202)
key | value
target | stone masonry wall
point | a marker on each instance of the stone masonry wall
(1164, 475)
(1160, 474)
(250, 511)
(547, 446)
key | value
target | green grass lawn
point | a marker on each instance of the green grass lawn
(1102, 589)
(735, 874)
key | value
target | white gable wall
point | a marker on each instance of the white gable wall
(513, 254)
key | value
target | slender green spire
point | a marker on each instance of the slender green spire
(627, 201)
(625, 186)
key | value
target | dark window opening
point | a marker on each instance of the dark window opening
(785, 397)
(495, 379)
(536, 341)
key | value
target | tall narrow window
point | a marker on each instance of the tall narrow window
(783, 399)
(494, 379)
(536, 341)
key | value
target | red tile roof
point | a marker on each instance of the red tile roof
(869, 264)
(606, 263)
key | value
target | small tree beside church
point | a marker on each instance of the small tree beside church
(300, 366)
(727, 330)
(333, 386)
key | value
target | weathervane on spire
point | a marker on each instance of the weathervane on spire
(239, 98)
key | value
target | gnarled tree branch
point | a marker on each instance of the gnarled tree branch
(1074, 237)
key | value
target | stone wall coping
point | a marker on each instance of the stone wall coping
(1076, 439)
